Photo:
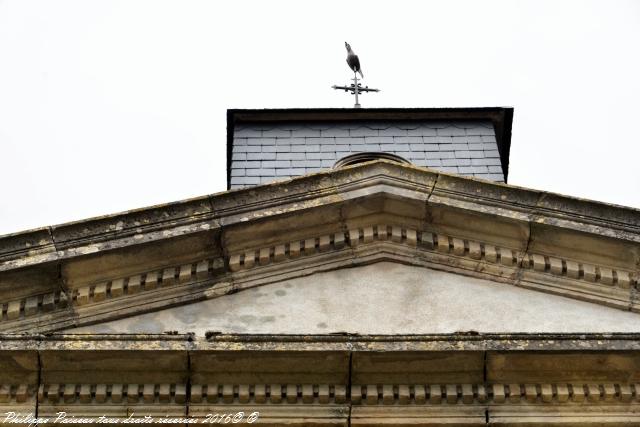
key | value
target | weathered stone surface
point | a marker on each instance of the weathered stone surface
(384, 298)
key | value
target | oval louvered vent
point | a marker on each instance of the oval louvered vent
(354, 159)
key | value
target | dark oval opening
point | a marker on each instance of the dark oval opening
(354, 159)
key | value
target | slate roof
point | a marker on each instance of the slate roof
(280, 148)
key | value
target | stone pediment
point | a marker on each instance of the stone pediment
(115, 267)
(384, 298)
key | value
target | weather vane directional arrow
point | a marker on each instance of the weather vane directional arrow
(355, 88)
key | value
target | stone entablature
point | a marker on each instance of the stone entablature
(329, 380)
(115, 266)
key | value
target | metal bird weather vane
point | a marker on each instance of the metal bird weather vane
(355, 88)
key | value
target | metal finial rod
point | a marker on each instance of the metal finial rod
(356, 89)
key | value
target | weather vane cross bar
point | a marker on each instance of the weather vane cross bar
(355, 88)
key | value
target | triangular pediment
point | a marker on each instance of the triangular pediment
(177, 255)
(382, 298)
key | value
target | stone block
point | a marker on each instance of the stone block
(117, 288)
(435, 394)
(184, 275)
(589, 272)
(100, 292)
(573, 269)
(133, 285)
(202, 270)
(82, 297)
(151, 281)
(458, 246)
(31, 306)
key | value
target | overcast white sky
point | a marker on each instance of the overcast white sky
(113, 105)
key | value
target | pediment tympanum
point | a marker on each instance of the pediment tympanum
(384, 298)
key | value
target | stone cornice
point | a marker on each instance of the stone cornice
(328, 379)
(192, 249)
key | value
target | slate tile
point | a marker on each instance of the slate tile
(495, 169)
(305, 132)
(290, 156)
(437, 124)
(488, 139)
(252, 164)
(239, 141)
(404, 154)
(238, 156)
(445, 140)
(451, 131)
(433, 162)
(247, 133)
(237, 172)
(370, 147)
(335, 132)
(363, 131)
(261, 172)
(290, 172)
(431, 147)
(392, 131)
(245, 180)
(472, 139)
(459, 147)
(463, 154)
(291, 141)
(473, 169)
(491, 153)
(442, 155)
(480, 130)
(328, 163)
(430, 139)
(320, 156)
(328, 147)
(314, 148)
(445, 147)
(378, 140)
(310, 163)
(269, 148)
(476, 147)
(485, 162)
(261, 156)
(460, 139)
(268, 164)
(350, 141)
(283, 148)
(476, 154)
(276, 133)
(377, 125)
(420, 162)
(282, 163)
(422, 131)
(408, 139)
(342, 148)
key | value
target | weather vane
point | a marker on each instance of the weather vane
(355, 88)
